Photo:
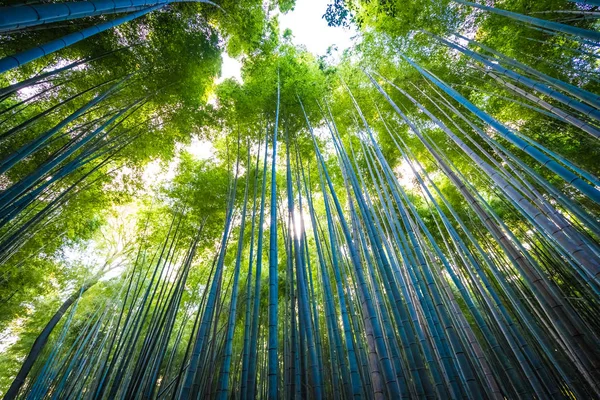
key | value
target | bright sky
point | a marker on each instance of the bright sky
(309, 29)
(230, 69)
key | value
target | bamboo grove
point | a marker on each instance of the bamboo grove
(416, 219)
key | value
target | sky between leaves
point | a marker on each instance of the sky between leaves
(308, 28)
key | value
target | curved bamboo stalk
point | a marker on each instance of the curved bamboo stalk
(20, 59)
(555, 26)
(23, 16)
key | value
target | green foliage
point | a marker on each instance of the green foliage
(434, 236)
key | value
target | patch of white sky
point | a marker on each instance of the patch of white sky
(230, 68)
(309, 29)
(201, 149)
(405, 175)
(157, 173)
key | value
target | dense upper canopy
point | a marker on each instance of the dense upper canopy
(417, 216)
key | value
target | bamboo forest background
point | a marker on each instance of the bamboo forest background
(414, 217)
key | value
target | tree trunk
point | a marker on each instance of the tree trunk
(41, 341)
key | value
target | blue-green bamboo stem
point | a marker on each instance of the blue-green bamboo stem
(20, 59)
